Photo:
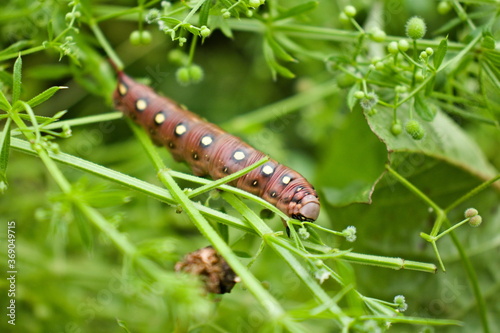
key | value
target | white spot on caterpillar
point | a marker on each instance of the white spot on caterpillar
(141, 104)
(122, 89)
(239, 155)
(180, 129)
(267, 170)
(159, 118)
(206, 141)
(286, 179)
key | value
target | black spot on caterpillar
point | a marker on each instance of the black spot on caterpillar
(211, 151)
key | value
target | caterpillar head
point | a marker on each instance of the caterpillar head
(302, 204)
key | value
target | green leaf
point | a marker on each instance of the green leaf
(42, 97)
(351, 100)
(424, 109)
(274, 65)
(204, 11)
(297, 10)
(50, 30)
(4, 103)
(16, 47)
(429, 88)
(444, 140)
(171, 20)
(440, 53)
(191, 28)
(16, 85)
(4, 150)
(278, 49)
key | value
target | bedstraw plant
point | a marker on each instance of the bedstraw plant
(391, 108)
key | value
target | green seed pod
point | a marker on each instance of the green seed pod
(205, 31)
(429, 51)
(475, 221)
(378, 35)
(471, 212)
(443, 7)
(146, 37)
(195, 73)
(343, 18)
(359, 94)
(183, 76)
(396, 128)
(393, 47)
(135, 37)
(415, 130)
(350, 11)
(254, 3)
(403, 45)
(415, 28)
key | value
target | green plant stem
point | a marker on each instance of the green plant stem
(472, 276)
(415, 190)
(227, 179)
(105, 45)
(273, 308)
(472, 193)
(134, 183)
(380, 261)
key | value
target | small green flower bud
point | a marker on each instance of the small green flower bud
(475, 221)
(359, 94)
(443, 7)
(378, 35)
(471, 212)
(393, 47)
(303, 233)
(66, 131)
(415, 130)
(419, 77)
(429, 51)
(254, 3)
(182, 40)
(401, 303)
(319, 263)
(322, 274)
(350, 233)
(369, 101)
(401, 89)
(343, 18)
(380, 65)
(423, 55)
(403, 45)
(195, 73)
(415, 28)
(226, 14)
(249, 13)
(396, 128)
(205, 31)
(350, 11)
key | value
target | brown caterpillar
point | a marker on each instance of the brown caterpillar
(210, 151)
